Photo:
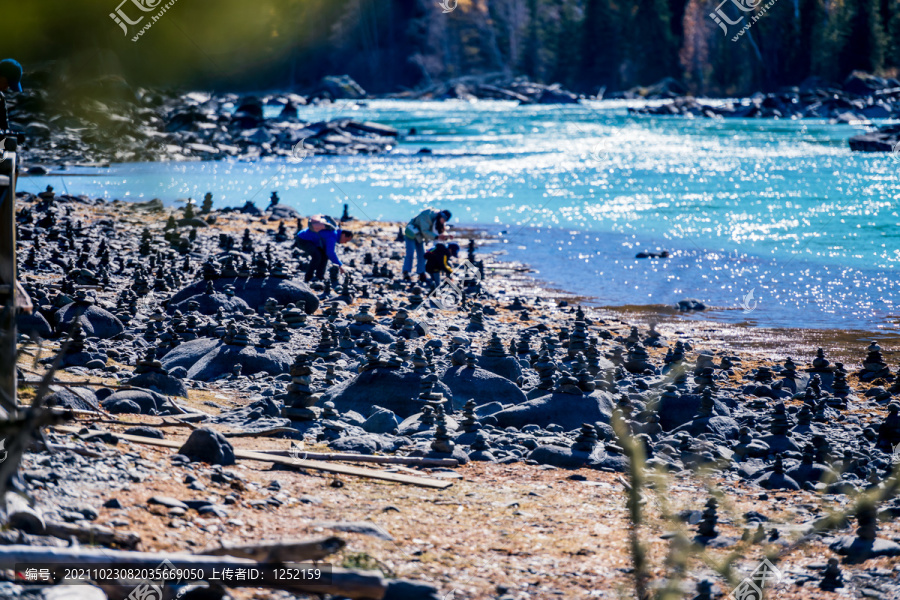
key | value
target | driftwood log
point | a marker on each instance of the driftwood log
(385, 460)
(284, 551)
(300, 464)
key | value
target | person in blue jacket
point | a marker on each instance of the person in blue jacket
(322, 247)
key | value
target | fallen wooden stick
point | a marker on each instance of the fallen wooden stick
(369, 585)
(93, 534)
(386, 460)
(283, 552)
(22, 516)
(265, 433)
(37, 445)
(300, 464)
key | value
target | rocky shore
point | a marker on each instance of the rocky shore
(106, 120)
(860, 98)
(194, 326)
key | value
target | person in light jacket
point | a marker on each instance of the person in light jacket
(427, 226)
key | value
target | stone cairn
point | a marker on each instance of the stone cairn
(476, 318)
(399, 319)
(874, 366)
(427, 394)
(832, 578)
(546, 369)
(419, 362)
(523, 344)
(840, 386)
(442, 442)
(790, 370)
(889, 429)
(470, 422)
(299, 396)
(592, 354)
(820, 363)
(707, 404)
(280, 328)
(638, 360)
(707, 526)
(149, 364)
(581, 373)
(364, 317)
(578, 340)
(427, 418)
(325, 347)
(494, 348)
(587, 438)
(780, 424)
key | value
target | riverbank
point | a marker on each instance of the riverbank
(519, 385)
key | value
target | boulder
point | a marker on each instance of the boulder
(159, 382)
(220, 358)
(569, 411)
(341, 86)
(724, 427)
(504, 366)
(381, 421)
(95, 321)
(254, 291)
(402, 589)
(379, 334)
(206, 445)
(75, 398)
(481, 385)
(186, 354)
(565, 457)
(356, 444)
(393, 389)
(882, 140)
(676, 412)
(34, 325)
(282, 213)
(259, 415)
(126, 400)
(860, 83)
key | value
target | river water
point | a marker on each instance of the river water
(770, 223)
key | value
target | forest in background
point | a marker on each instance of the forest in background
(392, 45)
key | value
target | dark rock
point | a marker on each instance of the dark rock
(206, 445)
(507, 367)
(690, 304)
(563, 457)
(481, 385)
(209, 304)
(205, 361)
(402, 589)
(675, 410)
(392, 389)
(147, 402)
(95, 321)
(381, 421)
(75, 398)
(567, 410)
(340, 87)
(882, 140)
(255, 291)
(357, 444)
(159, 382)
(148, 432)
(34, 325)
(168, 502)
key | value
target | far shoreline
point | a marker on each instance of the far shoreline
(773, 343)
